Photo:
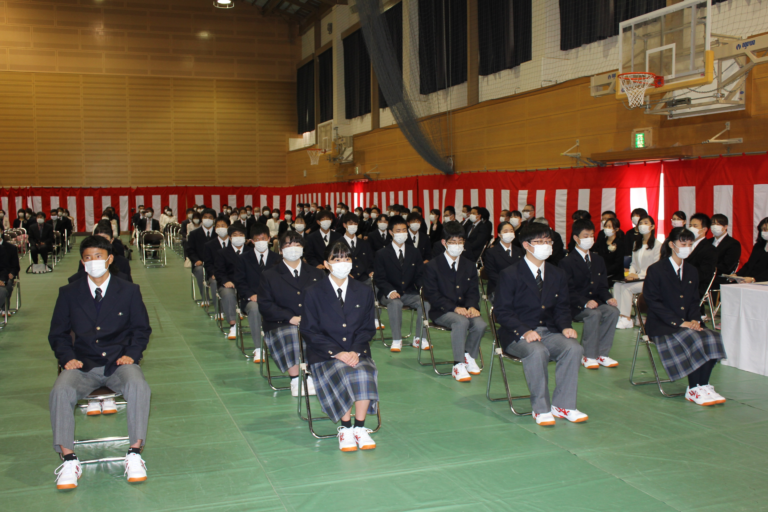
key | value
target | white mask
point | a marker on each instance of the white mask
(338, 211)
(365, 216)
(586, 243)
(635, 220)
(207, 223)
(222, 232)
(374, 215)
(352, 228)
(189, 215)
(325, 224)
(682, 252)
(678, 223)
(341, 270)
(515, 222)
(53, 217)
(400, 238)
(299, 228)
(502, 219)
(473, 218)
(764, 235)
(382, 226)
(40, 221)
(526, 215)
(508, 237)
(415, 226)
(243, 216)
(288, 218)
(196, 221)
(542, 252)
(312, 209)
(717, 231)
(454, 250)
(238, 241)
(261, 246)
(608, 232)
(432, 218)
(96, 268)
(275, 215)
(149, 215)
(293, 253)
(644, 229)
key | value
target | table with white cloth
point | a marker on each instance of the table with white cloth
(744, 317)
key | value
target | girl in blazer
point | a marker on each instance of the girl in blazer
(610, 246)
(501, 255)
(337, 325)
(435, 227)
(645, 252)
(756, 268)
(672, 294)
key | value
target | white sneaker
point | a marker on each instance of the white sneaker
(257, 355)
(363, 438)
(311, 386)
(295, 386)
(347, 441)
(378, 325)
(624, 323)
(135, 468)
(94, 408)
(108, 406)
(699, 395)
(460, 373)
(423, 342)
(472, 367)
(68, 474)
(572, 415)
(607, 362)
(232, 332)
(544, 419)
(589, 364)
(397, 346)
(719, 399)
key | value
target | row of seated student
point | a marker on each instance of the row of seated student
(9, 271)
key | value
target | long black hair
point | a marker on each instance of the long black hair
(651, 237)
(760, 244)
(676, 235)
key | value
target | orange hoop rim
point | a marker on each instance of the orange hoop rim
(316, 150)
(636, 76)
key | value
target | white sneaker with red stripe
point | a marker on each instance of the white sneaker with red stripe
(590, 364)
(68, 474)
(396, 346)
(423, 341)
(607, 362)
(135, 468)
(347, 441)
(460, 373)
(544, 419)
(572, 415)
(471, 365)
(700, 396)
(363, 438)
(719, 399)
(257, 355)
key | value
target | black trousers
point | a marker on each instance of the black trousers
(42, 250)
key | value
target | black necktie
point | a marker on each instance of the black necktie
(414, 239)
(238, 252)
(341, 299)
(353, 245)
(325, 239)
(296, 273)
(680, 273)
(401, 258)
(261, 262)
(509, 252)
(589, 262)
(539, 281)
(99, 296)
(453, 267)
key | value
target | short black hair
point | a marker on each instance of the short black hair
(290, 237)
(104, 227)
(43, 214)
(677, 234)
(413, 216)
(640, 211)
(338, 249)
(209, 211)
(501, 226)
(95, 242)
(450, 209)
(324, 214)
(515, 213)
(54, 210)
(237, 227)
(582, 225)
(418, 209)
(221, 218)
(258, 229)
(581, 214)
(350, 217)
(701, 217)
(720, 219)
(609, 212)
(534, 230)
(614, 222)
(453, 229)
(396, 220)
(682, 215)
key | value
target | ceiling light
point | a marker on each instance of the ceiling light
(224, 4)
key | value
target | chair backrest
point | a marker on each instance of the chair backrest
(57, 237)
(709, 289)
(152, 238)
(638, 299)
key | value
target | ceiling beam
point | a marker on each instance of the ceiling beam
(270, 6)
(309, 22)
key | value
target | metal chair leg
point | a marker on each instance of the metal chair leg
(657, 379)
(268, 376)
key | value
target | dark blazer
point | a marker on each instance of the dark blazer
(329, 329)
(614, 261)
(704, 258)
(144, 226)
(757, 265)
(184, 226)
(362, 259)
(629, 240)
(67, 223)
(670, 301)
(376, 241)
(314, 250)
(212, 248)
(281, 295)
(584, 285)
(558, 249)
(121, 264)
(391, 276)
(248, 275)
(18, 223)
(496, 259)
(136, 218)
(446, 290)
(728, 254)
(309, 218)
(196, 244)
(476, 239)
(120, 327)
(424, 245)
(284, 227)
(437, 249)
(59, 226)
(226, 264)
(436, 233)
(38, 234)
(9, 262)
(264, 218)
(118, 248)
(519, 308)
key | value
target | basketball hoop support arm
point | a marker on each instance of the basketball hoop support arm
(715, 140)
(577, 156)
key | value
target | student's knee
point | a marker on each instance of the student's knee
(478, 324)
(572, 348)
(63, 392)
(539, 354)
(611, 311)
(460, 322)
(395, 304)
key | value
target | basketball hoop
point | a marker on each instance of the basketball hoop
(635, 84)
(314, 155)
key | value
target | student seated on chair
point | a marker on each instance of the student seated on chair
(479, 233)
(633, 234)
(417, 237)
(227, 262)
(379, 236)
(609, 244)
(4, 221)
(58, 224)
(671, 292)
(256, 259)
(148, 222)
(398, 275)
(728, 249)
(9, 271)
(362, 254)
(756, 268)
(703, 255)
(532, 307)
(196, 240)
(281, 297)
(337, 326)
(40, 239)
(645, 252)
(120, 266)
(300, 225)
(110, 325)
(500, 256)
(319, 240)
(451, 288)
(212, 248)
(591, 302)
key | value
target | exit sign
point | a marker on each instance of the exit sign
(642, 138)
(639, 140)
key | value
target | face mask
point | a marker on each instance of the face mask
(374, 215)
(644, 229)
(222, 232)
(325, 224)
(306, 210)
(2, 215)
(195, 221)
(53, 217)
(238, 241)
(682, 252)
(343, 211)
(96, 268)
(586, 243)
(265, 214)
(189, 215)
(288, 218)
(312, 209)
(365, 216)
(383, 226)
(275, 215)
(502, 219)
(717, 230)
(40, 221)
(415, 226)
(764, 235)
(338, 211)
(542, 252)
(261, 246)
(635, 220)
(207, 223)
(352, 229)
(148, 215)
(507, 237)
(473, 218)
(229, 210)
(608, 232)
(249, 214)
(293, 253)
(168, 213)
(299, 228)
(341, 270)
(515, 222)
(199, 210)
(526, 215)
(678, 223)
(400, 238)
(243, 216)
(454, 250)
(432, 218)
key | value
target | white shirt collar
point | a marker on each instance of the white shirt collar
(223, 243)
(413, 236)
(720, 239)
(398, 249)
(534, 268)
(291, 269)
(675, 266)
(258, 255)
(103, 286)
(582, 253)
(450, 261)
(336, 287)
(207, 230)
(350, 241)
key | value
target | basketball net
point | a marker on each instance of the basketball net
(634, 85)
(314, 156)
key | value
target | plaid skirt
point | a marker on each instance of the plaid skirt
(686, 350)
(338, 386)
(283, 344)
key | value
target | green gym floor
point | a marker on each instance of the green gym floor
(220, 440)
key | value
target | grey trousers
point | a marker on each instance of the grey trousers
(395, 312)
(254, 322)
(5, 293)
(228, 303)
(599, 327)
(465, 333)
(198, 272)
(535, 356)
(74, 385)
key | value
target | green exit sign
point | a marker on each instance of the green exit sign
(639, 140)
(642, 138)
